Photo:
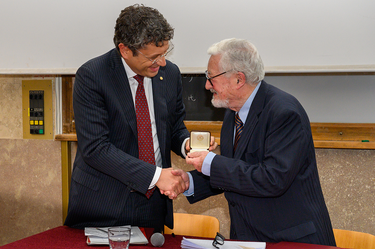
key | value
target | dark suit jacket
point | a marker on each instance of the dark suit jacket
(106, 167)
(271, 183)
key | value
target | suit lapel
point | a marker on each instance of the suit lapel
(252, 119)
(226, 137)
(125, 97)
(160, 108)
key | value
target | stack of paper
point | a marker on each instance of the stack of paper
(99, 236)
(206, 243)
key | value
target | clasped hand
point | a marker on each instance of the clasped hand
(173, 182)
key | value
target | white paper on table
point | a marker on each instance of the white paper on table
(206, 243)
(99, 235)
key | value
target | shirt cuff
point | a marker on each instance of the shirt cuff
(206, 166)
(190, 190)
(183, 151)
(156, 177)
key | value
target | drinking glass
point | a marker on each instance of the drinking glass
(119, 237)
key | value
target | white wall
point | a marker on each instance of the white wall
(332, 98)
(45, 34)
(291, 35)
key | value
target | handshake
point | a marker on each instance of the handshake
(173, 182)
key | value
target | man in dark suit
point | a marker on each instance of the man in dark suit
(129, 116)
(267, 167)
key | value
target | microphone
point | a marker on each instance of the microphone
(157, 239)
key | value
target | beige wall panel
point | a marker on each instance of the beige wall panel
(348, 182)
(10, 108)
(30, 187)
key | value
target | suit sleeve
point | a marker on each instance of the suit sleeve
(269, 167)
(202, 187)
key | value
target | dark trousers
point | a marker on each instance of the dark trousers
(143, 212)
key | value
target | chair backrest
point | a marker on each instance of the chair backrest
(354, 240)
(195, 225)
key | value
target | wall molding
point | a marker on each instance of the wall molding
(325, 135)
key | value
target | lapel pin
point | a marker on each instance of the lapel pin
(161, 78)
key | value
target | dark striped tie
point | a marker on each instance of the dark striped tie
(239, 128)
(145, 142)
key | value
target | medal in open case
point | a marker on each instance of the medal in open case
(200, 140)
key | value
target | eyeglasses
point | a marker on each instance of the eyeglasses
(210, 78)
(219, 240)
(160, 56)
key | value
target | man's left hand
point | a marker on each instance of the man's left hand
(213, 144)
(196, 159)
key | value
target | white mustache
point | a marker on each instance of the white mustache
(212, 90)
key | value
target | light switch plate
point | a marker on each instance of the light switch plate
(46, 87)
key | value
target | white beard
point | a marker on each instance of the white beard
(219, 103)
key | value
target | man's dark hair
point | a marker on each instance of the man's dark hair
(138, 25)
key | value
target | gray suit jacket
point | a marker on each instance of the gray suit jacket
(271, 182)
(106, 167)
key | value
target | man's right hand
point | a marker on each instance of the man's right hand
(172, 184)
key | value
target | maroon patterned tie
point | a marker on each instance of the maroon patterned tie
(239, 127)
(145, 142)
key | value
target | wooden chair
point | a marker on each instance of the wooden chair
(354, 240)
(194, 225)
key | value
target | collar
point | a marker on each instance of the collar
(129, 72)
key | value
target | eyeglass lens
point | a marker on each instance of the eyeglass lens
(219, 240)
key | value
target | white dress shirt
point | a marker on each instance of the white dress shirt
(150, 101)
